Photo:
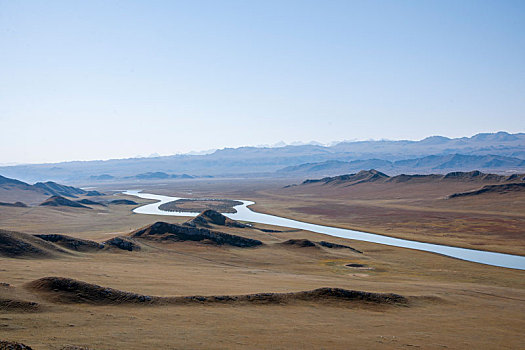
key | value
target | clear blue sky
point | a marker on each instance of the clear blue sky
(110, 79)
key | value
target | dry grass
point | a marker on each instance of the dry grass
(453, 303)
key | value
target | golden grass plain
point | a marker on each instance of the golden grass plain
(453, 303)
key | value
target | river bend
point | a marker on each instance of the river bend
(246, 214)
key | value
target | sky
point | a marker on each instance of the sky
(83, 80)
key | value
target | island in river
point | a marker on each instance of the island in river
(199, 205)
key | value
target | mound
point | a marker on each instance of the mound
(301, 243)
(83, 245)
(58, 201)
(10, 345)
(121, 243)
(16, 204)
(320, 295)
(90, 202)
(123, 202)
(491, 189)
(162, 231)
(305, 243)
(7, 305)
(338, 246)
(72, 243)
(18, 245)
(212, 217)
(66, 290)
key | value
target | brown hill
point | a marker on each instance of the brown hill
(163, 231)
(56, 189)
(12, 190)
(11, 345)
(90, 202)
(300, 243)
(337, 246)
(212, 217)
(71, 243)
(67, 290)
(8, 183)
(415, 178)
(493, 189)
(20, 245)
(16, 305)
(352, 179)
(123, 243)
(58, 201)
(123, 202)
(305, 243)
(16, 204)
(369, 176)
(83, 245)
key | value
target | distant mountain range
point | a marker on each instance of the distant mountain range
(495, 152)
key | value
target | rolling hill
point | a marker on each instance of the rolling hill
(370, 176)
(12, 190)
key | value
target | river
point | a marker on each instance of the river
(246, 214)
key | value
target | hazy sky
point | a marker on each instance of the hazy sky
(111, 79)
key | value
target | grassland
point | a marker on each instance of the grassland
(452, 303)
(419, 212)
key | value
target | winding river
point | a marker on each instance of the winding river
(246, 214)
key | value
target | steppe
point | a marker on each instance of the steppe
(449, 303)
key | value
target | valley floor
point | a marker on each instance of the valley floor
(452, 303)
